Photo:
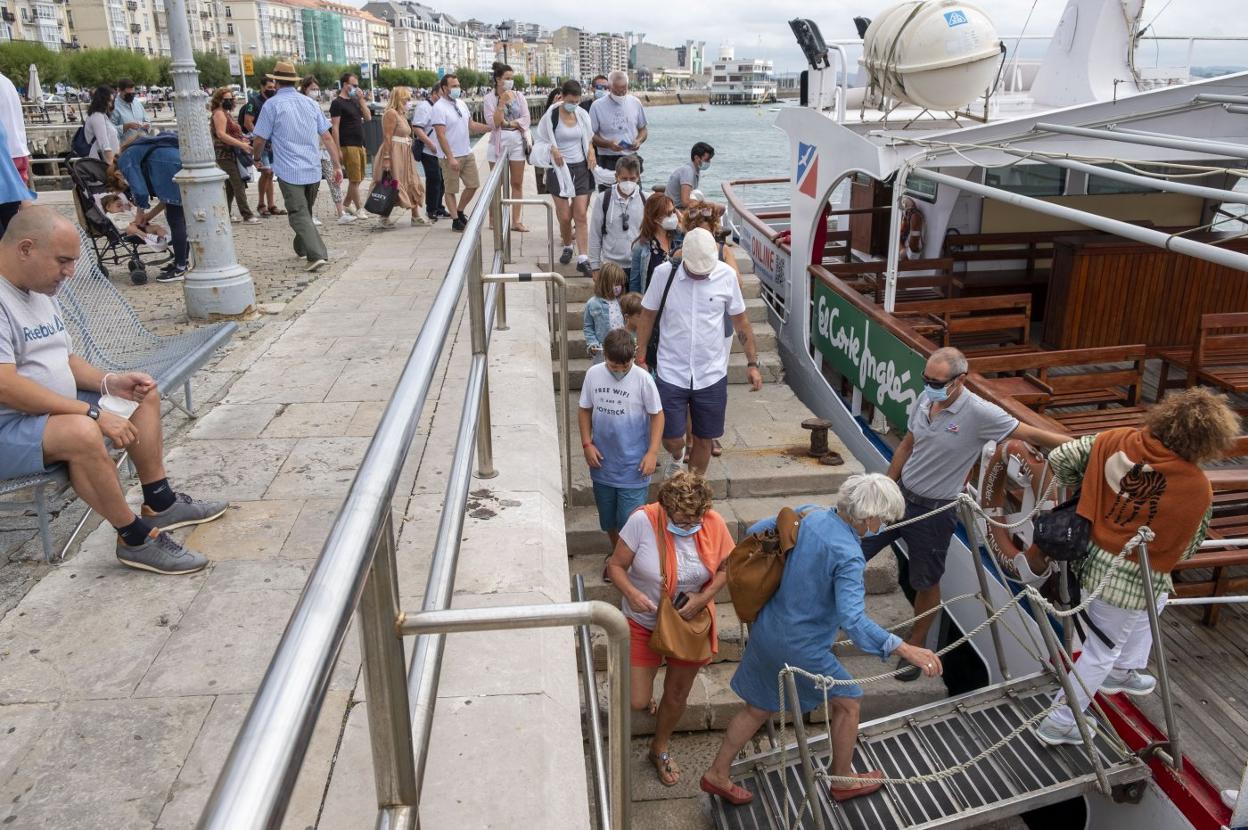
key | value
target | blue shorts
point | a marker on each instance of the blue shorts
(706, 408)
(21, 441)
(616, 504)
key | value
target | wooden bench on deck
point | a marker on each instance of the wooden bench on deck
(1000, 324)
(1219, 358)
(1030, 247)
(870, 278)
(1228, 568)
(1114, 392)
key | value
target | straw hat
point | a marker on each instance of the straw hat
(284, 71)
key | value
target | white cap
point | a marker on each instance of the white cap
(700, 252)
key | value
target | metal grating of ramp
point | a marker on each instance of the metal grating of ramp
(1023, 775)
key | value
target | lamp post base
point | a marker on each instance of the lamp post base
(219, 293)
(218, 286)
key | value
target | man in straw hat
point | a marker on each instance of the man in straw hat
(292, 122)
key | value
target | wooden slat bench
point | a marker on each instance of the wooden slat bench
(1000, 323)
(870, 278)
(1219, 358)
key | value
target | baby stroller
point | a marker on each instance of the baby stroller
(90, 178)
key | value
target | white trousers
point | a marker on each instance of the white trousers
(1133, 641)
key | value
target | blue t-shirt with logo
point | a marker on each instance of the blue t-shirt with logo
(620, 414)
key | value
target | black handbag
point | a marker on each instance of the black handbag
(382, 198)
(1061, 533)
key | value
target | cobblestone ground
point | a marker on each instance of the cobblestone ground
(279, 278)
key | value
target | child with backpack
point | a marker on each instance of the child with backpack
(615, 217)
(603, 313)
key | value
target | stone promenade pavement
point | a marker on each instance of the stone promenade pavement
(121, 692)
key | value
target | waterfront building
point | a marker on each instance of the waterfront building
(661, 64)
(275, 27)
(742, 80)
(41, 21)
(378, 30)
(137, 25)
(528, 32)
(596, 53)
(424, 38)
(323, 34)
(485, 53)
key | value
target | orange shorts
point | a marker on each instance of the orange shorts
(641, 656)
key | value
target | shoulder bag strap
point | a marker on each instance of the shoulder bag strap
(660, 540)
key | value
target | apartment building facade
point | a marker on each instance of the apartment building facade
(424, 38)
(597, 53)
(42, 21)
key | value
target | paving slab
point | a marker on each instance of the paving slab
(248, 530)
(318, 468)
(233, 469)
(246, 420)
(311, 420)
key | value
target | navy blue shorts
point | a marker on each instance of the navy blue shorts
(705, 407)
(927, 545)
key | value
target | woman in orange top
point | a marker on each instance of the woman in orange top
(697, 545)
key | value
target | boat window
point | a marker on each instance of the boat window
(921, 189)
(1099, 185)
(1029, 179)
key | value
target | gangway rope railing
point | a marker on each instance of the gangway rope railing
(824, 683)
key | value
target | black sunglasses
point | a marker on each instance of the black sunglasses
(941, 384)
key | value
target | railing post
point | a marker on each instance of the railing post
(803, 749)
(501, 237)
(385, 678)
(480, 346)
(972, 535)
(1159, 652)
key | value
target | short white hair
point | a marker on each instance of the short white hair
(617, 75)
(870, 496)
(951, 357)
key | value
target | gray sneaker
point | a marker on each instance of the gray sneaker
(161, 554)
(566, 256)
(1051, 733)
(1130, 682)
(185, 511)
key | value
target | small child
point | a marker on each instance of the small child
(621, 421)
(630, 307)
(602, 312)
(117, 208)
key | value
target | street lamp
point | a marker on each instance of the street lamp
(503, 29)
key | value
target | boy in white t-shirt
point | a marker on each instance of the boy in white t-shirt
(621, 420)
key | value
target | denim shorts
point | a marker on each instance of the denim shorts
(706, 409)
(616, 504)
(21, 441)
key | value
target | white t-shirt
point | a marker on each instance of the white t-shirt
(568, 139)
(454, 116)
(693, 352)
(618, 121)
(691, 573)
(11, 117)
(620, 412)
(33, 337)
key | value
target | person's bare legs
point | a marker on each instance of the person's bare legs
(741, 728)
(563, 212)
(353, 195)
(843, 733)
(76, 441)
(452, 204)
(148, 453)
(517, 189)
(675, 447)
(677, 683)
(466, 199)
(580, 208)
(641, 688)
(700, 454)
(924, 600)
(266, 192)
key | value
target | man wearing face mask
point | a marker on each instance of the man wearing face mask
(347, 114)
(453, 125)
(619, 122)
(684, 179)
(614, 220)
(949, 425)
(599, 89)
(128, 116)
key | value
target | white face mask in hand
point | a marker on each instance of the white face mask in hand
(115, 404)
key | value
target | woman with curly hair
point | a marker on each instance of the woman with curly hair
(1128, 478)
(697, 543)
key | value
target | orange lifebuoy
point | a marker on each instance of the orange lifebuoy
(1014, 481)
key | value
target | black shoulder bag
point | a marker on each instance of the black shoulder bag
(1061, 533)
(652, 347)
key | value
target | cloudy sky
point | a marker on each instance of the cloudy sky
(759, 29)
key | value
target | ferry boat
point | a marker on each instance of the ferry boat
(1075, 226)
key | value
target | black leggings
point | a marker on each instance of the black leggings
(433, 178)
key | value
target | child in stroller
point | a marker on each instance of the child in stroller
(114, 245)
(122, 214)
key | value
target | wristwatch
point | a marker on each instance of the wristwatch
(751, 365)
(93, 413)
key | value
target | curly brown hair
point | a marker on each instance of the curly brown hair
(1195, 424)
(685, 494)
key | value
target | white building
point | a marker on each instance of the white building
(423, 38)
(742, 80)
(485, 53)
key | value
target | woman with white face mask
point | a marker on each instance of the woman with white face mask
(564, 136)
(615, 218)
(656, 241)
(310, 87)
(507, 113)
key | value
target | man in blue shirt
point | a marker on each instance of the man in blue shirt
(128, 116)
(293, 122)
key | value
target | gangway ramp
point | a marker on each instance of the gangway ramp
(1022, 775)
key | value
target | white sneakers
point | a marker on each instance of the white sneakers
(1132, 683)
(346, 218)
(1051, 733)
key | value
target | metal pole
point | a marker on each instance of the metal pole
(609, 619)
(803, 749)
(385, 679)
(1200, 191)
(1159, 653)
(1239, 815)
(1199, 250)
(550, 244)
(480, 346)
(972, 535)
(1209, 98)
(1063, 677)
(589, 681)
(894, 248)
(496, 219)
(217, 286)
(1169, 142)
(564, 408)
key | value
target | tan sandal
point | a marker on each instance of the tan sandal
(668, 770)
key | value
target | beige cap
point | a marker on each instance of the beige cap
(700, 252)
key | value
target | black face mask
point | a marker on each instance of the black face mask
(127, 97)
(269, 93)
(227, 105)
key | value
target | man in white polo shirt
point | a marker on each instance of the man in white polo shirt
(454, 126)
(688, 302)
(619, 122)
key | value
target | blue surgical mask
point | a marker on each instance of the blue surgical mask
(936, 395)
(619, 375)
(455, 93)
(704, 165)
(568, 106)
(676, 530)
(871, 533)
(600, 92)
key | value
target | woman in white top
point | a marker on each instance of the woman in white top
(566, 128)
(98, 129)
(507, 113)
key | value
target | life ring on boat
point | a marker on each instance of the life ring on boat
(1014, 479)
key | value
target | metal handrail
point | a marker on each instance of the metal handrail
(590, 687)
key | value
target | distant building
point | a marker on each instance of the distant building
(596, 53)
(528, 32)
(485, 53)
(662, 64)
(424, 38)
(741, 80)
(38, 21)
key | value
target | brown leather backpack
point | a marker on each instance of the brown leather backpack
(756, 565)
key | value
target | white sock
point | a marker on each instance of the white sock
(582, 257)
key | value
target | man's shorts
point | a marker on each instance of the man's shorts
(616, 504)
(641, 656)
(927, 544)
(467, 174)
(21, 441)
(354, 160)
(706, 408)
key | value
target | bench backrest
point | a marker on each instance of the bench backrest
(1209, 341)
(1098, 374)
(977, 315)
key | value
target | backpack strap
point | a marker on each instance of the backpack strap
(606, 204)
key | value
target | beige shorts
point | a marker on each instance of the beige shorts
(467, 174)
(354, 159)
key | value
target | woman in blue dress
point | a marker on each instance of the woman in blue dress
(822, 591)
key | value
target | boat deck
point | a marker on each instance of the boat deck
(1209, 678)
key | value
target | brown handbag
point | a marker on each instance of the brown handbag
(673, 635)
(756, 565)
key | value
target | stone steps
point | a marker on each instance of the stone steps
(768, 363)
(755, 309)
(764, 340)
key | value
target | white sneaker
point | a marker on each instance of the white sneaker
(316, 221)
(317, 265)
(1132, 682)
(350, 210)
(346, 219)
(672, 467)
(1053, 734)
(1230, 798)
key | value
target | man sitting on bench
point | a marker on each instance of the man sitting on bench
(49, 403)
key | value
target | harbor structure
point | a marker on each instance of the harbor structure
(742, 80)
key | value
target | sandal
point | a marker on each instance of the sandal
(276, 211)
(717, 449)
(668, 770)
(263, 211)
(735, 795)
(520, 227)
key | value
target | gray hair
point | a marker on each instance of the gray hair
(951, 357)
(617, 75)
(870, 496)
